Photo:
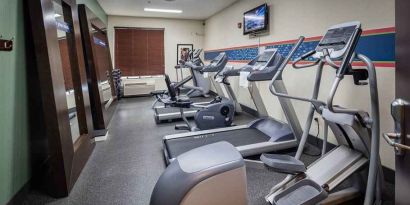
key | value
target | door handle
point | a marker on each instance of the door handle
(398, 138)
(392, 138)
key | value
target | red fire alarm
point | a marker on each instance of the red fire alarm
(239, 25)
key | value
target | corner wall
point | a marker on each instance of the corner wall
(14, 136)
(176, 32)
(288, 20)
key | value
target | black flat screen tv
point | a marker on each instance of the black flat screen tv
(256, 20)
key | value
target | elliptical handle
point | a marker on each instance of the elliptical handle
(278, 75)
(343, 68)
(279, 72)
(304, 57)
(291, 53)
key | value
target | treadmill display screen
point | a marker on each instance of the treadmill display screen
(264, 58)
(337, 38)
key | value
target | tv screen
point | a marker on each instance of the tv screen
(255, 20)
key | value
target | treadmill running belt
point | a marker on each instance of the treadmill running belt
(240, 137)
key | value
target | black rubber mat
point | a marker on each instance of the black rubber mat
(240, 137)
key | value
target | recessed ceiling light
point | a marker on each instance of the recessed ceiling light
(163, 10)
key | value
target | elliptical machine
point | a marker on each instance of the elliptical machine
(167, 112)
(356, 132)
(215, 173)
(201, 85)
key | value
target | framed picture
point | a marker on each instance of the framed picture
(183, 51)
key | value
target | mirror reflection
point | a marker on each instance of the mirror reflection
(103, 64)
(64, 32)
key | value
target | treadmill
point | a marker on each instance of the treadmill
(259, 136)
(166, 113)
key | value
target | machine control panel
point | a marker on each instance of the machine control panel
(336, 40)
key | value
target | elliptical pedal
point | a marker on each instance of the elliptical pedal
(283, 163)
(305, 192)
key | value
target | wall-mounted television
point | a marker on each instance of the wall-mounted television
(256, 20)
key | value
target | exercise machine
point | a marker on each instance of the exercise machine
(222, 78)
(262, 135)
(356, 131)
(218, 113)
(215, 173)
(199, 83)
(163, 113)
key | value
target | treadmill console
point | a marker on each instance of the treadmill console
(218, 58)
(336, 40)
(217, 64)
(261, 61)
(264, 66)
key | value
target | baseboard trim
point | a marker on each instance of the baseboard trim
(389, 175)
(249, 110)
(101, 138)
(99, 133)
(20, 196)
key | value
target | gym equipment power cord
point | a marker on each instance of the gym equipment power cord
(317, 140)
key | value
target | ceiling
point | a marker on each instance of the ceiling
(192, 9)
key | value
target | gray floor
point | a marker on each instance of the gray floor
(124, 169)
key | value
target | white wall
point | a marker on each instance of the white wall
(176, 32)
(288, 20)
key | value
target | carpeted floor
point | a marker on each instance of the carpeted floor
(125, 168)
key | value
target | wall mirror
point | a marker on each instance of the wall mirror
(103, 65)
(58, 75)
(62, 15)
(99, 69)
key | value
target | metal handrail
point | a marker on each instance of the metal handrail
(278, 74)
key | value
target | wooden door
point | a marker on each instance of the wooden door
(402, 91)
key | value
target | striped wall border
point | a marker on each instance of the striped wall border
(377, 44)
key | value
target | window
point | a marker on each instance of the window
(139, 52)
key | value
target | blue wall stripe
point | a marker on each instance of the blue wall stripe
(380, 47)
